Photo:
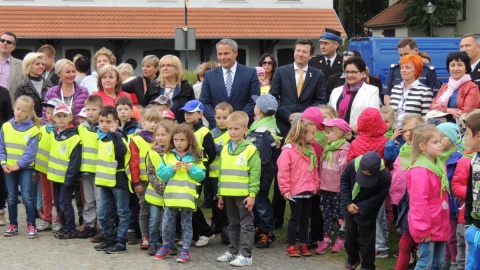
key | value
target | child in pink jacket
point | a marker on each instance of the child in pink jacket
(298, 181)
(334, 161)
(428, 187)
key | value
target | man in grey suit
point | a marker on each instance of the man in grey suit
(10, 67)
(231, 82)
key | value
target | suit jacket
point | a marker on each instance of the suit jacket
(319, 62)
(15, 77)
(475, 74)
(245, 84)
(284, 89)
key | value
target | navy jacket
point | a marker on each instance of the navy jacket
(428, 78)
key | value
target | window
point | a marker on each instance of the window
(285, 56)
(389, 32)
(70, 53)
(20, 53)
(242, 56)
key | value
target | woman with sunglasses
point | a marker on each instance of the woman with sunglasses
(269, 64)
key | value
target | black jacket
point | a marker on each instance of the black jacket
(135, 86)
(369, 200)
(120, 149)
(6, 109)
(75, 162)
(209, 147)
(320, 63)
(180, 97)
(25, 87)
(52, 77)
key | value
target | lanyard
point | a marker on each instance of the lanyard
(71, 98)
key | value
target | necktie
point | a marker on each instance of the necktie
(328, 64)
(229, 82)
(300, 82)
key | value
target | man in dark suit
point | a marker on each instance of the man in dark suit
(10, 67)
(297, 86)
(329, 62)
(471, 45)
(232, 82)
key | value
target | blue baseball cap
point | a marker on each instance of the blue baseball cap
(193, 106)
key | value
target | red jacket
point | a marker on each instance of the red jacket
(468, 97)
(459, 183)
(371, 130)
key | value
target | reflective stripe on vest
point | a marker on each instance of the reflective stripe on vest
(151, 196)
(215, 165)
(200, 136)
(143, 147)
(89, 149)
(16, 142)
(234, 177)
(181, 191)
(60, 152)
(41, 160)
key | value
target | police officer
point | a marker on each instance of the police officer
(428, 76)
(329, 62)
(471, 45)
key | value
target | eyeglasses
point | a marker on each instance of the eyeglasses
(167, 65)
(267, 63)
(352, 72)
(6, 41)
(348, 53)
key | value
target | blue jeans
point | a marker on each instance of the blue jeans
(431, 255)
(473, 251)
(112, 199)
(24, 179)
(154, 224)
(37, 192)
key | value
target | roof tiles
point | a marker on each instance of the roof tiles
(393, 15)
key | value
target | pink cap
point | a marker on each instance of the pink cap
(168, 114)
(338, 122)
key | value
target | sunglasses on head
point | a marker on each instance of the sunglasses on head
(267, 63)
(348, 53)
(6, 41)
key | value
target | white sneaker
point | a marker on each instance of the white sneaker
(44, 226)
(203, 240)
(57, 226)
(226, 257)
(241, 261)
(180, 243)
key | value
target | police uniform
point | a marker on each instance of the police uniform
(428, 77)
(475, 74)
(320, 61)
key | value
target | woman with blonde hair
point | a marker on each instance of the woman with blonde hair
(138, 86)
(101, 58)
(33, 84)
(171, 84)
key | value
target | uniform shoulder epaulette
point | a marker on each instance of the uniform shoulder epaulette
(431, 67)
(394, 65)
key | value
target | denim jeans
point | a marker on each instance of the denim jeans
(380, 229)
(37, 192)
(24, 179)
(154, 224)
(431, 255)
(111, 199)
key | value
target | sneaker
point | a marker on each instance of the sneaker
(161, 254)
(351, 266)
(116, 249)
(131, 238)
(339, 246)
(323, 246)
(446, 265)
(226, 257)
(57, 226)
(381, 254)
(145, 243)
(180, 243)
(292, 251)
(184, 257)
(453, 266)
(44, 226)
(266, 239)
(103, 245)
(97, 238)
(152, 250)
(241, 261)
(32, 232)
(69, 234)
(203, 240)
(86, 232)
(60, 232)
(11, 231)
(172, 251)
(304, 251)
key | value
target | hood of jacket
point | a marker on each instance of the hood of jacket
(315, 115)
(371, 124)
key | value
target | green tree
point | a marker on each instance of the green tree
(417, 17)
(354, 13)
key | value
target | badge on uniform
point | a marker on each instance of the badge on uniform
(63, 149)
(339, 63)
(241, 161)
(108, 150)
(321, 61)
(445, 205)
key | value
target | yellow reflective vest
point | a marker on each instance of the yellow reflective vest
(181, 190)
(89, 149)
(234, 176)
(152, 196)
(41, 160)
(200, 136)
(106, 168)
(215, 165)
(16, 142)
(60, 152)
(143, 147)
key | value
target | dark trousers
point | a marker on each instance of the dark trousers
(3, 190)
(62, 198)
(219, 216)
(360, 242)
(278, 204)
(263, 211)
(300, 216)
(199, 223)
(134, 208)
(208, 190)
(316, 222)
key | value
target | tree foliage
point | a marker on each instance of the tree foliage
(364, 11)
(417, 17)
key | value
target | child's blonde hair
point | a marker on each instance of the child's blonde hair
(328, 110)
(240, 117)
(192, 141)
(151, 114)
(422, 134)
(346, 135)
(31, 115)
(413, 117)
(297, 132)
(388, 111)
(168, 126)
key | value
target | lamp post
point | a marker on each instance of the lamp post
(187, 4)
(430, 8)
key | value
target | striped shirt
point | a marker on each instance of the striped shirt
(415, 99)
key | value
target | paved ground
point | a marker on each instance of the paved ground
(47, 252)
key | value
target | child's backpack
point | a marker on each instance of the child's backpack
(265, 143)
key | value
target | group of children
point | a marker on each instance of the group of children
(363, 180)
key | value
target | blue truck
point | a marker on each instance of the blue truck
(380, 53)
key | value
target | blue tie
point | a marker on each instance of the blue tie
(229, 82)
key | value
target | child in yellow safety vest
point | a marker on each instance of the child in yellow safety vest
(182, 169)
(63, 167)
(18, 148)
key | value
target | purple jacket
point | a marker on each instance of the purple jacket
(79, 97)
